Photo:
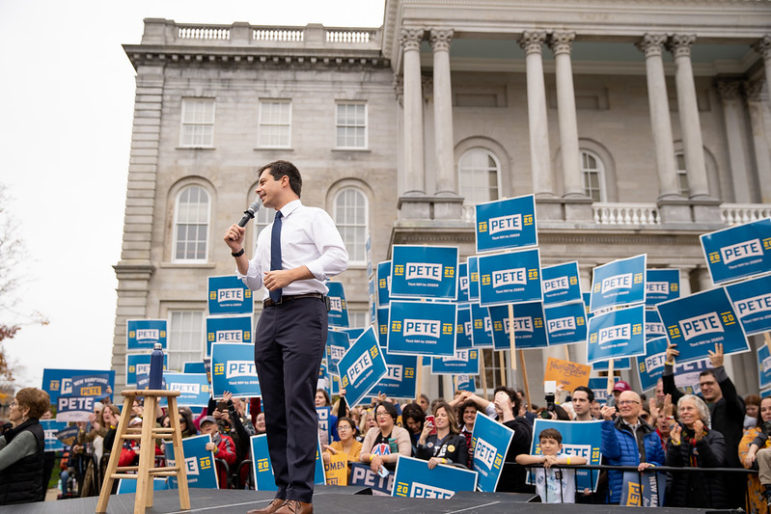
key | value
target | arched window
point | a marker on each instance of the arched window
(478, 176)
(352, 221)
(593, 171)
(682, 175)
(191, 225)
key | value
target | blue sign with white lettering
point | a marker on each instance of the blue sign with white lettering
(50, 429)
(59, 381)
(653, 326)
(424, 272)
(619, 333)
(465, 383)
(618, 365)
(95, 384)
(464, 361)
(142, 334)
(482, 326)
(382, 327)
(578, 440)
(620, 282)
(651, 366)
(599, 386)
(698, 322)
(199, 463)
(129, 485)
(139, 364)
(362, 367)
(263, 469)
(512, 277)
(233, 370)
(473, 278)
(420, 328)
(738, 252)
(752, 302)
(74, 408)
(337, 344)
(661, 285)
(560, 283)
(353, 333)
(413, 479)
(462, 283)
(490, 441)
(508, 223)
(463, 330)
(566, 323)
(337, 316)
(194, 367)
(230, 329)
(764, 367)
(529, 329)
(383, 283)
(400, 378)
(229, 295)
(194, 389)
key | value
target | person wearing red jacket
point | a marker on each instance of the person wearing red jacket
(222, 445)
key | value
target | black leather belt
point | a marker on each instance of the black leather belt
(268, 302)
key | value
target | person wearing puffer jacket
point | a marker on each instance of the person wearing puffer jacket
(629, 441)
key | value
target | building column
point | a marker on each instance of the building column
(413, 113)
(763, 47)
(680, 46)
(760, 139)
(540, 156)
(730, 92)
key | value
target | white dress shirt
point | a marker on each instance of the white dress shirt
(308, 237)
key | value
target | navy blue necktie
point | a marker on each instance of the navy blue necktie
(275, 253)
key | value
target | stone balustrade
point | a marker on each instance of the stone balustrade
(738, 213)
(626, 214)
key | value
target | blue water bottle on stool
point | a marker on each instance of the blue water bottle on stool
(156, 368)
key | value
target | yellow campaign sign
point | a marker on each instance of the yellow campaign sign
(567, 374)
(337, 469)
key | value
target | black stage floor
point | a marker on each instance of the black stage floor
(327, 500)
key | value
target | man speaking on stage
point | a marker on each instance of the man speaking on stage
(294, 256)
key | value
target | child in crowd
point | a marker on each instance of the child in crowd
(552, 485)
(222, 446)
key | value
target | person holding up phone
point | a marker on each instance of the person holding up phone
(440, 442)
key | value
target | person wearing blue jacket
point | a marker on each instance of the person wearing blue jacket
(628, 441)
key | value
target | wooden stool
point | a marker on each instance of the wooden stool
(146, 470)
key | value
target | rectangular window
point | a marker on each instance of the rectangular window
(351, 124)
(197, 123)
(358, 319)
(186, 338)
(275, 124)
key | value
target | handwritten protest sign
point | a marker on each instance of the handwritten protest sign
(567, 374)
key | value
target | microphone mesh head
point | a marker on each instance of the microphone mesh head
(255, 205)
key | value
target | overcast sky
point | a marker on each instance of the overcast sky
(66, 105)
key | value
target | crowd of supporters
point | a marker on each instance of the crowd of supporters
(713, 429)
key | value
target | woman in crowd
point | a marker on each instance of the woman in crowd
(413, 418)
(747, 454)
(347, 444)
(468, 415)
(384, 443)
(322, 400)
(693, 444)
(446, 445)
(186, 424)
(21, 449)
(751, 410)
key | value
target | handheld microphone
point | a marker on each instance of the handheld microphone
(249, 213)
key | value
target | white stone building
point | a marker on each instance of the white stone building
(638, 124)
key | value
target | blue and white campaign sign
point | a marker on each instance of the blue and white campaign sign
(619, 333)
(74, 408)
(142, 334)
(698, 322)
(661, 285)
(473, 278)
(194, 367)
(68, 435)
(566, 323)
(463, 335)
(353, 333)
(508, 223)
(654, 328)
(400, 378)
(95, 384)
(529, 329)
(465, 383)
(59, 381)
(337, 316)
(383, 283)
(738, 252)
(229, 295)
(363, 476)
(752, 302)
(421, 328)
(599, 386)
(362, 367)
(129, 486)
(139, 364)
(651, 366)
(199, 463)
(194, 389)
(620, 282)
(618, 365)
(229, 329)
(382, 327)
(560, 283)
(462, 283)
(764, 367)
(482, 326)
(263, 469)
(337, 344)
(424, 272)
(687, 375)
(50, 429)
(323, 414)
(413, 479)
(490, 440)
(512, 277)
(578, 440)
(464, 361)
(233, 370)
